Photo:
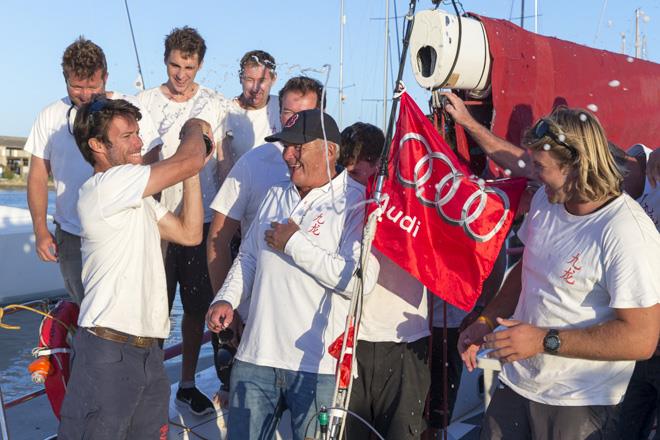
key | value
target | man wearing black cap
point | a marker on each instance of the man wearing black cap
(297, 268)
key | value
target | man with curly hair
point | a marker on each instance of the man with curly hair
(54, 153)
(171, 104)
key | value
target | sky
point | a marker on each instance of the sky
(302, 35)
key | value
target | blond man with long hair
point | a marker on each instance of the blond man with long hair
(583, 304)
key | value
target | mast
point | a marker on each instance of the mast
(342, 22)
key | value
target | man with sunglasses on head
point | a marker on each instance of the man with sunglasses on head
(255, 113)
(118, 387)
(583, 304)
(54, 152)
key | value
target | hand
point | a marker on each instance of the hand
(46, 246)
(279, 235)
(457, 109)
(469, 342)
(653, 168)
(219, 316)
(519, 341)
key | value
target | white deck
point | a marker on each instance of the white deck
(24, 276)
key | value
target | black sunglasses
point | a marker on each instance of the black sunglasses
(96, 106)
(542, 129)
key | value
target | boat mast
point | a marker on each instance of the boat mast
(140, 83)
(385, 64)
(342, 22)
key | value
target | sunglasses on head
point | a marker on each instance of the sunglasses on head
(99, 104)
(543, 129)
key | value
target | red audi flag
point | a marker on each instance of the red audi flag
(439, 223)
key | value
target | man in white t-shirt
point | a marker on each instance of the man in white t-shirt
(389, 390)
(255, 113)
(584, 302)
(54, 152)
(118, 387)
(298, 266)
(171, 105)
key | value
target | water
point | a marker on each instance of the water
(16, 345)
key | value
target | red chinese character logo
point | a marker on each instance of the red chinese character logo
(572, 269)
(317, 222)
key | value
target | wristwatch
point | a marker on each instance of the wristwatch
(551, 342)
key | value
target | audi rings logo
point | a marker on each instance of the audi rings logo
(454, 178)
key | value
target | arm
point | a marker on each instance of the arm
(151, 156)
(185, 163)
(631, 335)
(504, 153)
(238, 283)
(218, 248)
(186, 228)
(504, 304)
(37, 195)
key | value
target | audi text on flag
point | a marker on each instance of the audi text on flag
(441, 224)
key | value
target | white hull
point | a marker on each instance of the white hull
(23, 276)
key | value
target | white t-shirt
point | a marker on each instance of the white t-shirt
(50, 139)
(650, 199)
(123, 271)
(247, 183)
(248, 128)
(170, 116)
(299, 303)
(576, 271)
(397, 309)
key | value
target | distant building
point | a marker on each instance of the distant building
(13, 157)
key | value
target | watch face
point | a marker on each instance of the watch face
(552, 343)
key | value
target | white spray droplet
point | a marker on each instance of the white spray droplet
(507, 172)
(625, 89)
(630, 59)
(561, 137)
(593, 107)
(521, 163)
(583, 117)
(614, 83)
(546, 147)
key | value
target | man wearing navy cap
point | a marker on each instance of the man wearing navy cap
(297, 267)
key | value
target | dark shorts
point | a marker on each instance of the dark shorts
(454, 370)
(510, 416)
(390, 390)
(641, 405)
(116, 391)
(187, 267)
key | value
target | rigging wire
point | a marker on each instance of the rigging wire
(141, 86)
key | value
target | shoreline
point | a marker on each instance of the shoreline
(19, 184)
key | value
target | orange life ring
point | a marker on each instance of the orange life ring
(52, 366)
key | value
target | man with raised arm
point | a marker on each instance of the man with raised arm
(54, 152)
(297, 266)
(583, 304)
(118, 387)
